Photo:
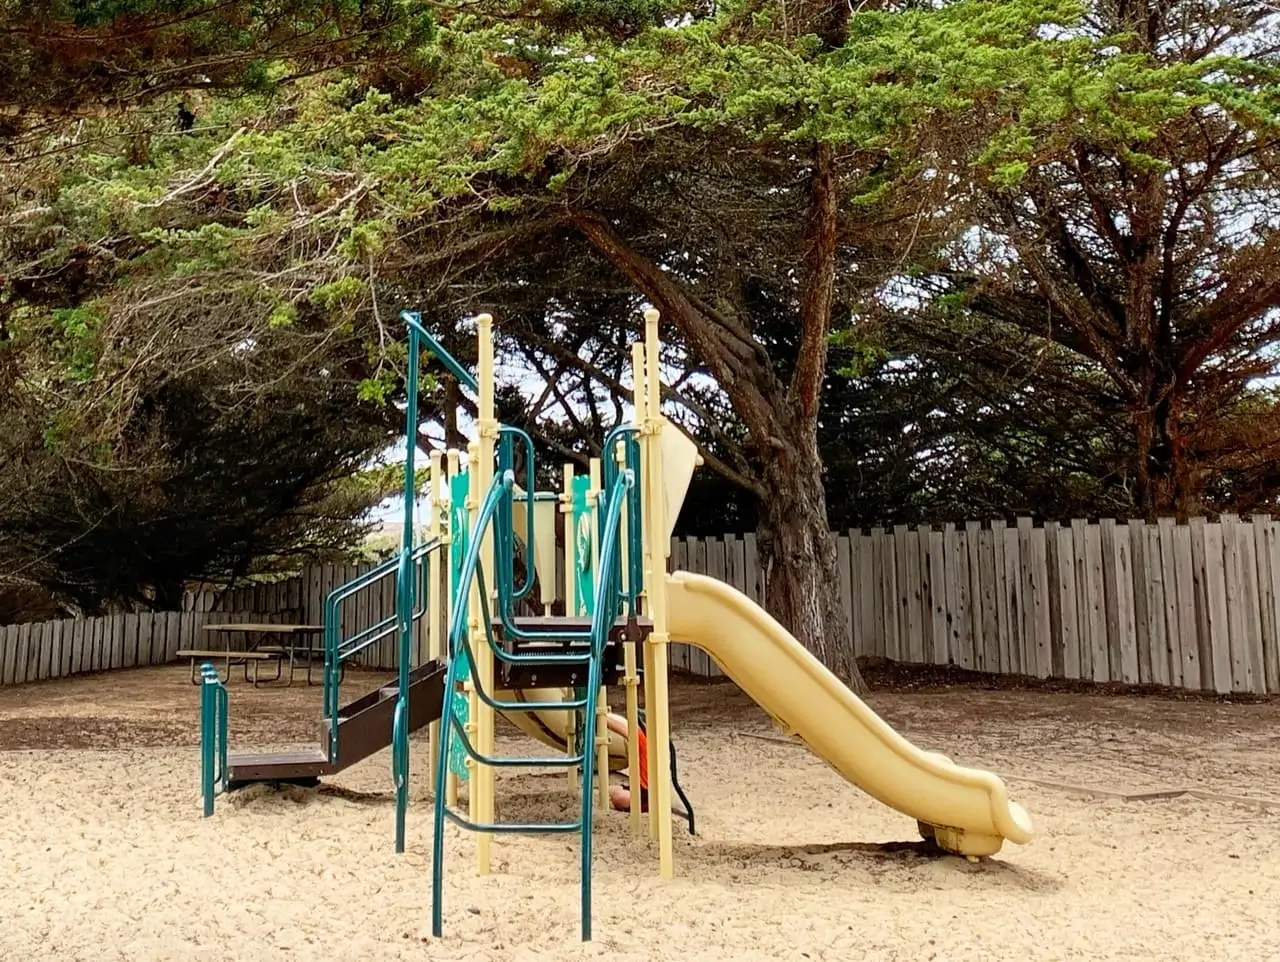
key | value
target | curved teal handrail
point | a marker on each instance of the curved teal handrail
(628, 435)
(506, 560)
(338, 650)
(399, 746)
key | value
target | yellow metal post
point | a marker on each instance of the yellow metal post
(630, 678)
(482, 785)
(474, 629)
(593, 502)
(566, 510)
(601, 740)
(602, 747)
(655, 663)
(570, 590)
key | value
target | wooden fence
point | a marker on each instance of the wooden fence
(1194, 606)
(73, 646)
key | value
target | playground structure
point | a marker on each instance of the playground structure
(493, 649)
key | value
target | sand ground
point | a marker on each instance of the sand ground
(104, 855)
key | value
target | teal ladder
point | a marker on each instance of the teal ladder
(460, 654)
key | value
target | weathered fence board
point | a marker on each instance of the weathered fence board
(1268, 573)
(1068, 605)
(8, 653)
(844, 573)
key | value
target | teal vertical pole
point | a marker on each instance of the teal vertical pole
(404, 596)
(459, 530)
(208, 708)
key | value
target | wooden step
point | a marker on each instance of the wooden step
(277, 767)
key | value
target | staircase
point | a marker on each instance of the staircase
(351, 733)
(363, 728)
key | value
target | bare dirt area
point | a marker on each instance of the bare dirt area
(104, 855)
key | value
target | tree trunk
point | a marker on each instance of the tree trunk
(1162, 488)
(169, 595)
(803, 587)
(798, 559)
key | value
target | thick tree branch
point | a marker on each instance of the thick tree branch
(751, 385)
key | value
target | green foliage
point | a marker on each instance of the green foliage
(282, 315)
(337, 294)
(384, 153)
(377, 389)
(75, 332)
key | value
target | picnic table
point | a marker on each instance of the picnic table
(289, 642)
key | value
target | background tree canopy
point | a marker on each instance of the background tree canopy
(915, 261)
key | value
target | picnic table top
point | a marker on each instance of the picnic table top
(264, 628)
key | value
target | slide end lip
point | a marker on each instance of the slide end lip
(1022, 828)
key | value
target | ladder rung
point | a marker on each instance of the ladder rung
(529, 828)
(511, 707)
(514, 761)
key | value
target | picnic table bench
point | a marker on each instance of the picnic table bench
(230, 657)
(294, 644)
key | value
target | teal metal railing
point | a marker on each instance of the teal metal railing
(507, 439)
(338, 650)
(628, 435)
(629, 582)
(460, 648)
(613, 591)
(418, 333)
(213, 736)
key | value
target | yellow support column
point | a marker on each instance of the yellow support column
(482, 783)
(602, 748)
(566, 511)
(593, 502)
(655, 663)
(630, 678)
(570, 591)
(453, 465)
(435, 567)
(650, 695)
(474, 795)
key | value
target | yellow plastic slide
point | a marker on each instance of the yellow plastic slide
(965, 810)
(551, 726)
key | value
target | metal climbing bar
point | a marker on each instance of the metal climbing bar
(516, 761)
(507, 438)
(628, 436)
(413, 320)
(504, 546)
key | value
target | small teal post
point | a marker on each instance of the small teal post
(213, 736)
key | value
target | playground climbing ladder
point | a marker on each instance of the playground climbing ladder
(483, 541)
